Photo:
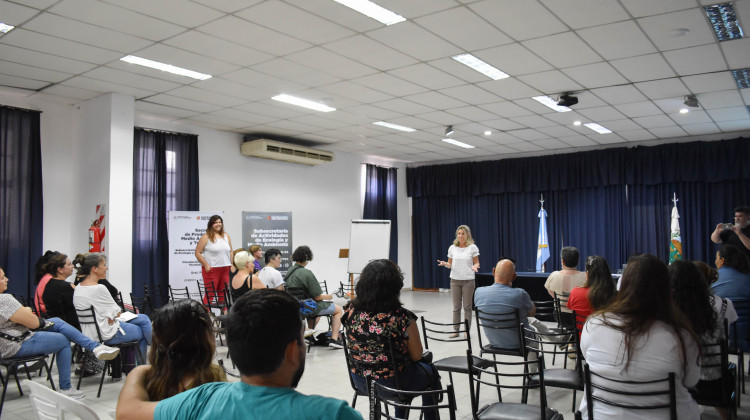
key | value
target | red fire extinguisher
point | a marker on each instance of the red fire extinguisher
(95, 239)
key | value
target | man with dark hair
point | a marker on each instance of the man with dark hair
(737, 234)
(565, 280)
(300, 276)
(268, 351)
(269, 274)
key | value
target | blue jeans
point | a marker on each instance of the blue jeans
(417, 376)
(57, 339)
(138, 328)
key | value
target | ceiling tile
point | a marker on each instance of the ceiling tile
(52, 45)
(227, 87)
(563, 50)
(150, 107)
(506, 109)
(711, 82)
(71, 92)
(736, 52)
(696, 60)
(513, 59)
(535, 121)
(294, 71)
(43, 60)
(619, 94)
(699, 129)
(21, 82)
(403, 106)
(504, 14)
(296, 22)
(622, 125)
(34, 73)
(228, 6)
(472, 113)
(331, 63)
(643, 68)
(550, 144)
(602, 113)
(196, 94)
(254, 36)
(695, 116)
(188, 60)
(442, 118)
(595, 75)
(659, 89)
(557, 131)
(636, 135)
(580, 13)
(734, 125)
(436, 100)
(659, 29)
(578, 141)
(427, 76)
(355, 91)
(116, 18)
(344, 15)
(722, 99)
(654, 121)
(640, 8)
(617, 40)
(525, 147)
(452, 24)
(222, 50)
(15, 14)
(510, 88)
(271, 108)
(729, 114)
(106, 87)
(187, 14)
(111, 75)
(414, 41)
(370, 52)
(550, 82)
(529, 134)
(64, 28)
(389, 84)
(255, 78)
(667, 132)
(471, 94)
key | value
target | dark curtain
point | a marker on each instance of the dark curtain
(20, 197)
(165, 178)
(613, 203)
(380, 201)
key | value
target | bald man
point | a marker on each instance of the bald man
(502, 297)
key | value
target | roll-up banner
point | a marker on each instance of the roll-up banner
(269, 230)
(184, 230)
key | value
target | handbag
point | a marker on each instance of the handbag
(307, 307)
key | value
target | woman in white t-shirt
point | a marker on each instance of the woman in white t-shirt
(214, 252)
(463, 260)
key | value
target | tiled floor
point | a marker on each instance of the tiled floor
(325, 374)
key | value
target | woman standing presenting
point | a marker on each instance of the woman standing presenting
(463, 260)
(214, 252)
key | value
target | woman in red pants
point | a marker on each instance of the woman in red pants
(214, 252)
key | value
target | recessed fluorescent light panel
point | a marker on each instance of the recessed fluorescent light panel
(598, 128)
(293, 100)
(724, 21)
(372, 10)
(480, 66)
(165, 67)
(551, 103)
(394, 126)
(5, 28)
(742, 77)
(458, 143)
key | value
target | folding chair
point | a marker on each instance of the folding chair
(51, 405)
(12, 366)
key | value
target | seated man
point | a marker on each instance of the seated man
(502, 297)
(300, 276)
(565, 280)
(269, 274)
(270, 354)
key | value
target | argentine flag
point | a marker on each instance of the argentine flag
(542, 250)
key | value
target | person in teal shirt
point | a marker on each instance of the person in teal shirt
(268, 351)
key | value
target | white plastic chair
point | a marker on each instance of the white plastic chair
(49, 404)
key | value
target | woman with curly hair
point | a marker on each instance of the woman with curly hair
(642, 336)
(376, 312)
(182, 350)
(214, 252)
(706, 313)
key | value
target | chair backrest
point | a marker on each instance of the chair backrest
(141, 304)
(179, 293)
(367, 356)
(299, 293)
(509, 375)
(539, 342)
(155, 296)
(503, 326)
(214, 298)
(545, 310)
(739, 333)
(51, 405)
(563, 315)
(384, 404)
(323, 287)
(346, 289)
(441, 332)
(715, 356)
(88, 317)
(627, 394)
(119, 301)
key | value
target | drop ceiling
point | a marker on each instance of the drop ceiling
(629, 62)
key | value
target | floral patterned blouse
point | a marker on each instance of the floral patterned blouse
(363, 326)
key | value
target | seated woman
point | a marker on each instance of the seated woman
(54, 295)
(596, 293)
(90, 293)
(182, 351)
(706, 314)
(376, 312)
(244, 280)
(642, 336)
(16, 339)
(734, 283)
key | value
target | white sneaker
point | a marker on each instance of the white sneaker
(72, 393)
(106, 352)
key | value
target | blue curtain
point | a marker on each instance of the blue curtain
(612, 202)
(20, 197)
(165, 178)
(380, 201)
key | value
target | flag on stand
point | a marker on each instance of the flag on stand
(542, 249)
(675, 243)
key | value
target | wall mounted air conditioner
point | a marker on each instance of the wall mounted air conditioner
(270, 149)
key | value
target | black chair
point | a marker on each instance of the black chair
(545, 310)
(714, 356)
(565, 320)
(88, 317)
(558, 378)
(300, 293)
(14, 364)
(382, 405)
(507, 323)
(156, 297)
(742, 307)
(179, 293)
(323, 287)
(440, 332)
(346, 290)
(141, 305)
(510, 375)
(609, 389)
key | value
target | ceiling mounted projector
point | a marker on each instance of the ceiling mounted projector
(691, 101)
(567, 100)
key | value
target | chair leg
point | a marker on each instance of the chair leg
(354, 400)
(101, 381)
(573, 406)
(15, 375)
